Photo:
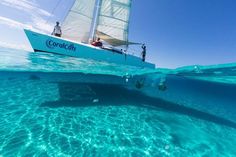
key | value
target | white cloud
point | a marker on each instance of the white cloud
(37, 15)
(38, 24)
(26, 6)
(15, 46)
(14, 24)
(41, 24)
(37, 21)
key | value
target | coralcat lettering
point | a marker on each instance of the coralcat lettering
(52, 44)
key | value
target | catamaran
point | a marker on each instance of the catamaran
(86, 20)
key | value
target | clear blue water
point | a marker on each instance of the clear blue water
(54, 105)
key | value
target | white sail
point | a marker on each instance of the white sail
(113, 21)
(78, 23)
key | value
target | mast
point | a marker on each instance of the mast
(127, 44)
(95, 19)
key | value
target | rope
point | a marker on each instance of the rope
(53, 11)
(134, 51)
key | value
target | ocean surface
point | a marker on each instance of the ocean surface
(59, 106)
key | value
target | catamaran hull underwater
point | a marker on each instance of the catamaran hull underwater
(51, 44)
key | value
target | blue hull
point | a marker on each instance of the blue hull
(47, 43)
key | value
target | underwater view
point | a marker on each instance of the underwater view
(54, 105)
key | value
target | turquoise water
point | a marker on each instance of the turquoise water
(54, 105)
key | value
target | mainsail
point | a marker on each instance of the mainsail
(77, 25)
(113, 21)
(109, 21)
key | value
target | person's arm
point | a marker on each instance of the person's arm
(93, 43)
(60, 31)
(53, 31)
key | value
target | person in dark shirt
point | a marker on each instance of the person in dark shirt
(97, 43)
(143, 52)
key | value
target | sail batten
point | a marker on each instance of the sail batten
(81, 14)
(113, 21)
(77, 25)
(115, 18)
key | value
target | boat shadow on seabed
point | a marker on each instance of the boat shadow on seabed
(93, 94)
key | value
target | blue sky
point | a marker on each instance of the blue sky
(177, 32)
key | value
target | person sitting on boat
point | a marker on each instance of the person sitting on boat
(57, 30)
(143, 52)
(97, 43)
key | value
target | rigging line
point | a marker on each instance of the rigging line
(72, 4)
(53, 10)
